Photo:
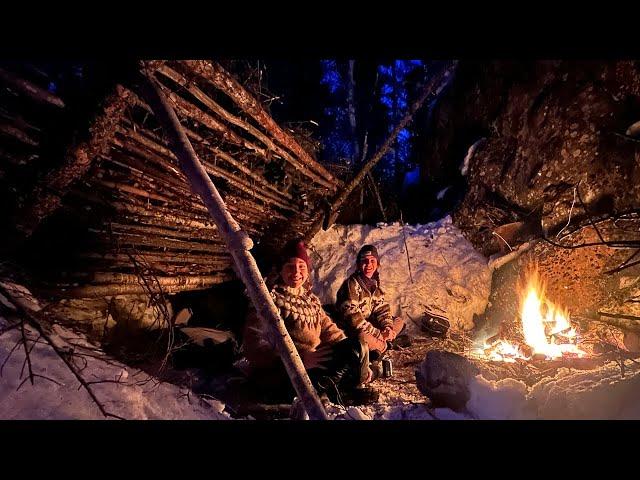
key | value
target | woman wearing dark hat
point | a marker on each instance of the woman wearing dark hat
(337, 365)
(363, 309)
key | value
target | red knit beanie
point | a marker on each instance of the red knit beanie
(295, 249)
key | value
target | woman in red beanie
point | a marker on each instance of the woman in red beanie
(338, 366)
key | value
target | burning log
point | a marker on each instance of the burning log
(625, 322)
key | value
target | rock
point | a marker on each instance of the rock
(444, 377)
(354, 413)
(204, 336)
(634, 130)
(631, 341)
(544, 138)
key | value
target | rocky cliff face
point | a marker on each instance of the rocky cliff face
(549, 127)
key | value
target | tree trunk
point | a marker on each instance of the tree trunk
(351, 86)
(238, 243)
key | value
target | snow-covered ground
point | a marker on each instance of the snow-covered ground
(56, 393)
(449, 275)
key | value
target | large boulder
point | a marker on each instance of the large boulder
(549, 126)
(444, 377)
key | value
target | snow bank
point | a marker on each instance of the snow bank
(603, 393)
(449, 275)
(600, 394)
(127, 393)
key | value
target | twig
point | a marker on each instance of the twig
(619, 315)
(28, 357)
(589, 215)
(26, 352)
(39, 376)
(626, 137)
(500, 237)
(158, 301)
(376, 192)
(9, 356)
(575, 189)
(33, 321)
(625, 264)
(623, 244)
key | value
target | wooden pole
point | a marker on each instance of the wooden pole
(238, 243)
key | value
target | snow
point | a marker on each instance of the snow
(467, 158)
(129, 393)
(449, 275)
(599, 394)
(442, 192)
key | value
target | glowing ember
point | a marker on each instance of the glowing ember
(546, 328)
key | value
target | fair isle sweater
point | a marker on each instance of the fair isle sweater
(362, 308)
(305, 319)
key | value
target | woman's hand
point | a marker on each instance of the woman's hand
(388, 334)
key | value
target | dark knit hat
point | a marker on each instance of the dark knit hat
(368, 250)
(295, 249)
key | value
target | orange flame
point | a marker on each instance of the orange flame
(546, 328)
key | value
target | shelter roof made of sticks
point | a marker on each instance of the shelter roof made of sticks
(96, 209)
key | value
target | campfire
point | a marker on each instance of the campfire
(546, 329)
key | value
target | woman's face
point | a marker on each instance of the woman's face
(368, 265)
(294, 272)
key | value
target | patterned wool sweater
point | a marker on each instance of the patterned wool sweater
(305, 319)
(362, 310)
